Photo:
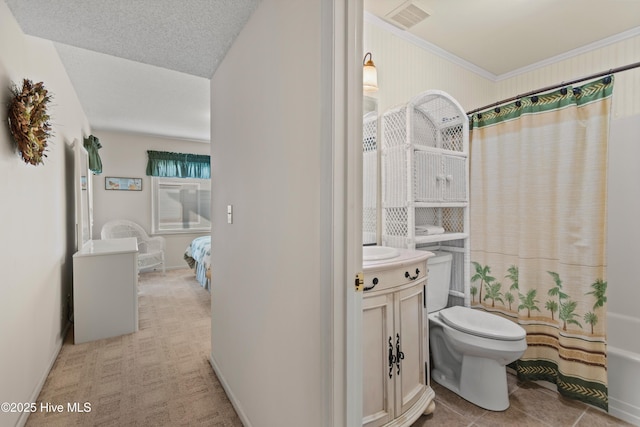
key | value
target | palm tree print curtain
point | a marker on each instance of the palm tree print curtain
(538, 215)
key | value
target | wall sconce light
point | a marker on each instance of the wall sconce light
(369, 74)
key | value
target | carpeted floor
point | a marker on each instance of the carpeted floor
(158, 376)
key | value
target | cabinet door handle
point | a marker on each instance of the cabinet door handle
(399, 354)
(410, 277)
(392, 358)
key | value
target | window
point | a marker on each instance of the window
(181, 205)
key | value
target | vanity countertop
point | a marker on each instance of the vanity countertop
(404, 257)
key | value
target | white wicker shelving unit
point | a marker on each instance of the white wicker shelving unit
(425, 181)
(370, 174)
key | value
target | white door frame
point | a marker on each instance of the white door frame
(342, 197)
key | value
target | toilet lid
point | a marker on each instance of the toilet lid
(481, 323)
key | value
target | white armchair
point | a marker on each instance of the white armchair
(150, 249)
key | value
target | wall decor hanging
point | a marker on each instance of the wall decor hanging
(128, 184)
(29, 120)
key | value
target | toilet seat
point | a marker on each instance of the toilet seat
(482, 324)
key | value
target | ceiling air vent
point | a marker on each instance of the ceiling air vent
(407, 15)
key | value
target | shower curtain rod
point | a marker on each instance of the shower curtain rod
(544, 89)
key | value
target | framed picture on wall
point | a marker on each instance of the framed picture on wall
(126, 184)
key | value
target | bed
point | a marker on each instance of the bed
(198, 256)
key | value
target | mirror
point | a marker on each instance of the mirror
(369, 171)
(84, 208)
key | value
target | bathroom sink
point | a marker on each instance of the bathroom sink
(375, 253)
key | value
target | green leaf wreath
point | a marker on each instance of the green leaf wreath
(29, 121)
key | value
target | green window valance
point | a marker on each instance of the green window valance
(178, 165)
(92, 144)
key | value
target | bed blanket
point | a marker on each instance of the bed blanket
(198, 256)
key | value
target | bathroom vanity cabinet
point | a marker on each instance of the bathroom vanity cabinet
(396, 387)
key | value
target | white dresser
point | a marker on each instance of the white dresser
(105, 289)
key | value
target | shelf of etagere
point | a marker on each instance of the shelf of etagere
(438, 150)
(421, 240)
(440, 204)
(411, 243)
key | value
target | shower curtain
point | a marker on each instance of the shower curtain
(538, 231)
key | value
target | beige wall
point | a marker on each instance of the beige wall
(626, 101)
(405, 70)
(267, 296)
(125, 155)
(36, 230)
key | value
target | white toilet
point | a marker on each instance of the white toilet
(469, 348)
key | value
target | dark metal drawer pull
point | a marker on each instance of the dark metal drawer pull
(408, 276)
(375, 282)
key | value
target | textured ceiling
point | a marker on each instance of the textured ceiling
(190, 36)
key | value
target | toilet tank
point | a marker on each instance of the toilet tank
(438, 280)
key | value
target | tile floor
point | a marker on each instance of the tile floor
(531, 405)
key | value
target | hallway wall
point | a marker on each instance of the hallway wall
(37, 226)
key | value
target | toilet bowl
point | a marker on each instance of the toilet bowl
(469, 348)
